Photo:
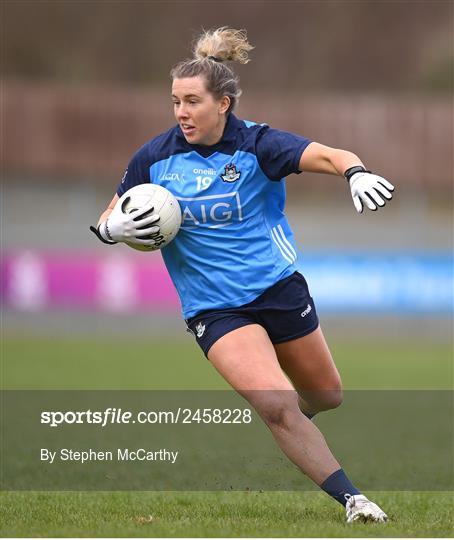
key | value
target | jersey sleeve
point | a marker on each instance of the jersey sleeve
(279, 152)
(138, 172)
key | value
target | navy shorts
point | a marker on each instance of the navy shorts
(286, 311)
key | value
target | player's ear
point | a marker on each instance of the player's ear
(224, 104)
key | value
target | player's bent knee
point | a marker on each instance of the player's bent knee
(322, 400)
(279, 410)
(333, 399)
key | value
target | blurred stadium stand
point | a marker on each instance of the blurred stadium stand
(71, 132)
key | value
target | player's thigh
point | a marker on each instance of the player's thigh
(246, 358)
(308, 363)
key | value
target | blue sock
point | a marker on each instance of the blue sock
(337, 485)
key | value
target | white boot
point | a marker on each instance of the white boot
(359, 508)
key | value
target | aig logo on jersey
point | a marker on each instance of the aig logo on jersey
(230, 173)
(213, 211)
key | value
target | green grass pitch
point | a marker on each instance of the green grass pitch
(38, 363)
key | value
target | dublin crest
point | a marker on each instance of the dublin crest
(230, 173)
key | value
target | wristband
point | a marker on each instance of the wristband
(95, 230)
(353, 170)
(106, 230)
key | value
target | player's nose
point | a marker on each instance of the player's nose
(182, 113)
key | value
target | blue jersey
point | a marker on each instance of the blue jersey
(235, 241)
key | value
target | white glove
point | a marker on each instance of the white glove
(134, 228)
(370, 189)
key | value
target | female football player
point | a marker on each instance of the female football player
(233, 262)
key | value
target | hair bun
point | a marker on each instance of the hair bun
(223, 44)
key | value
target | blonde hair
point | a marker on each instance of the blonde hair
(223, 44)
(211, 50)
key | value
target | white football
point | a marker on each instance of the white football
(164, 204)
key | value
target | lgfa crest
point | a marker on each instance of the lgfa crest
(200, 329)
(230, 173)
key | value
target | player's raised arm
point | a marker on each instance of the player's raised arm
(366, 188)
